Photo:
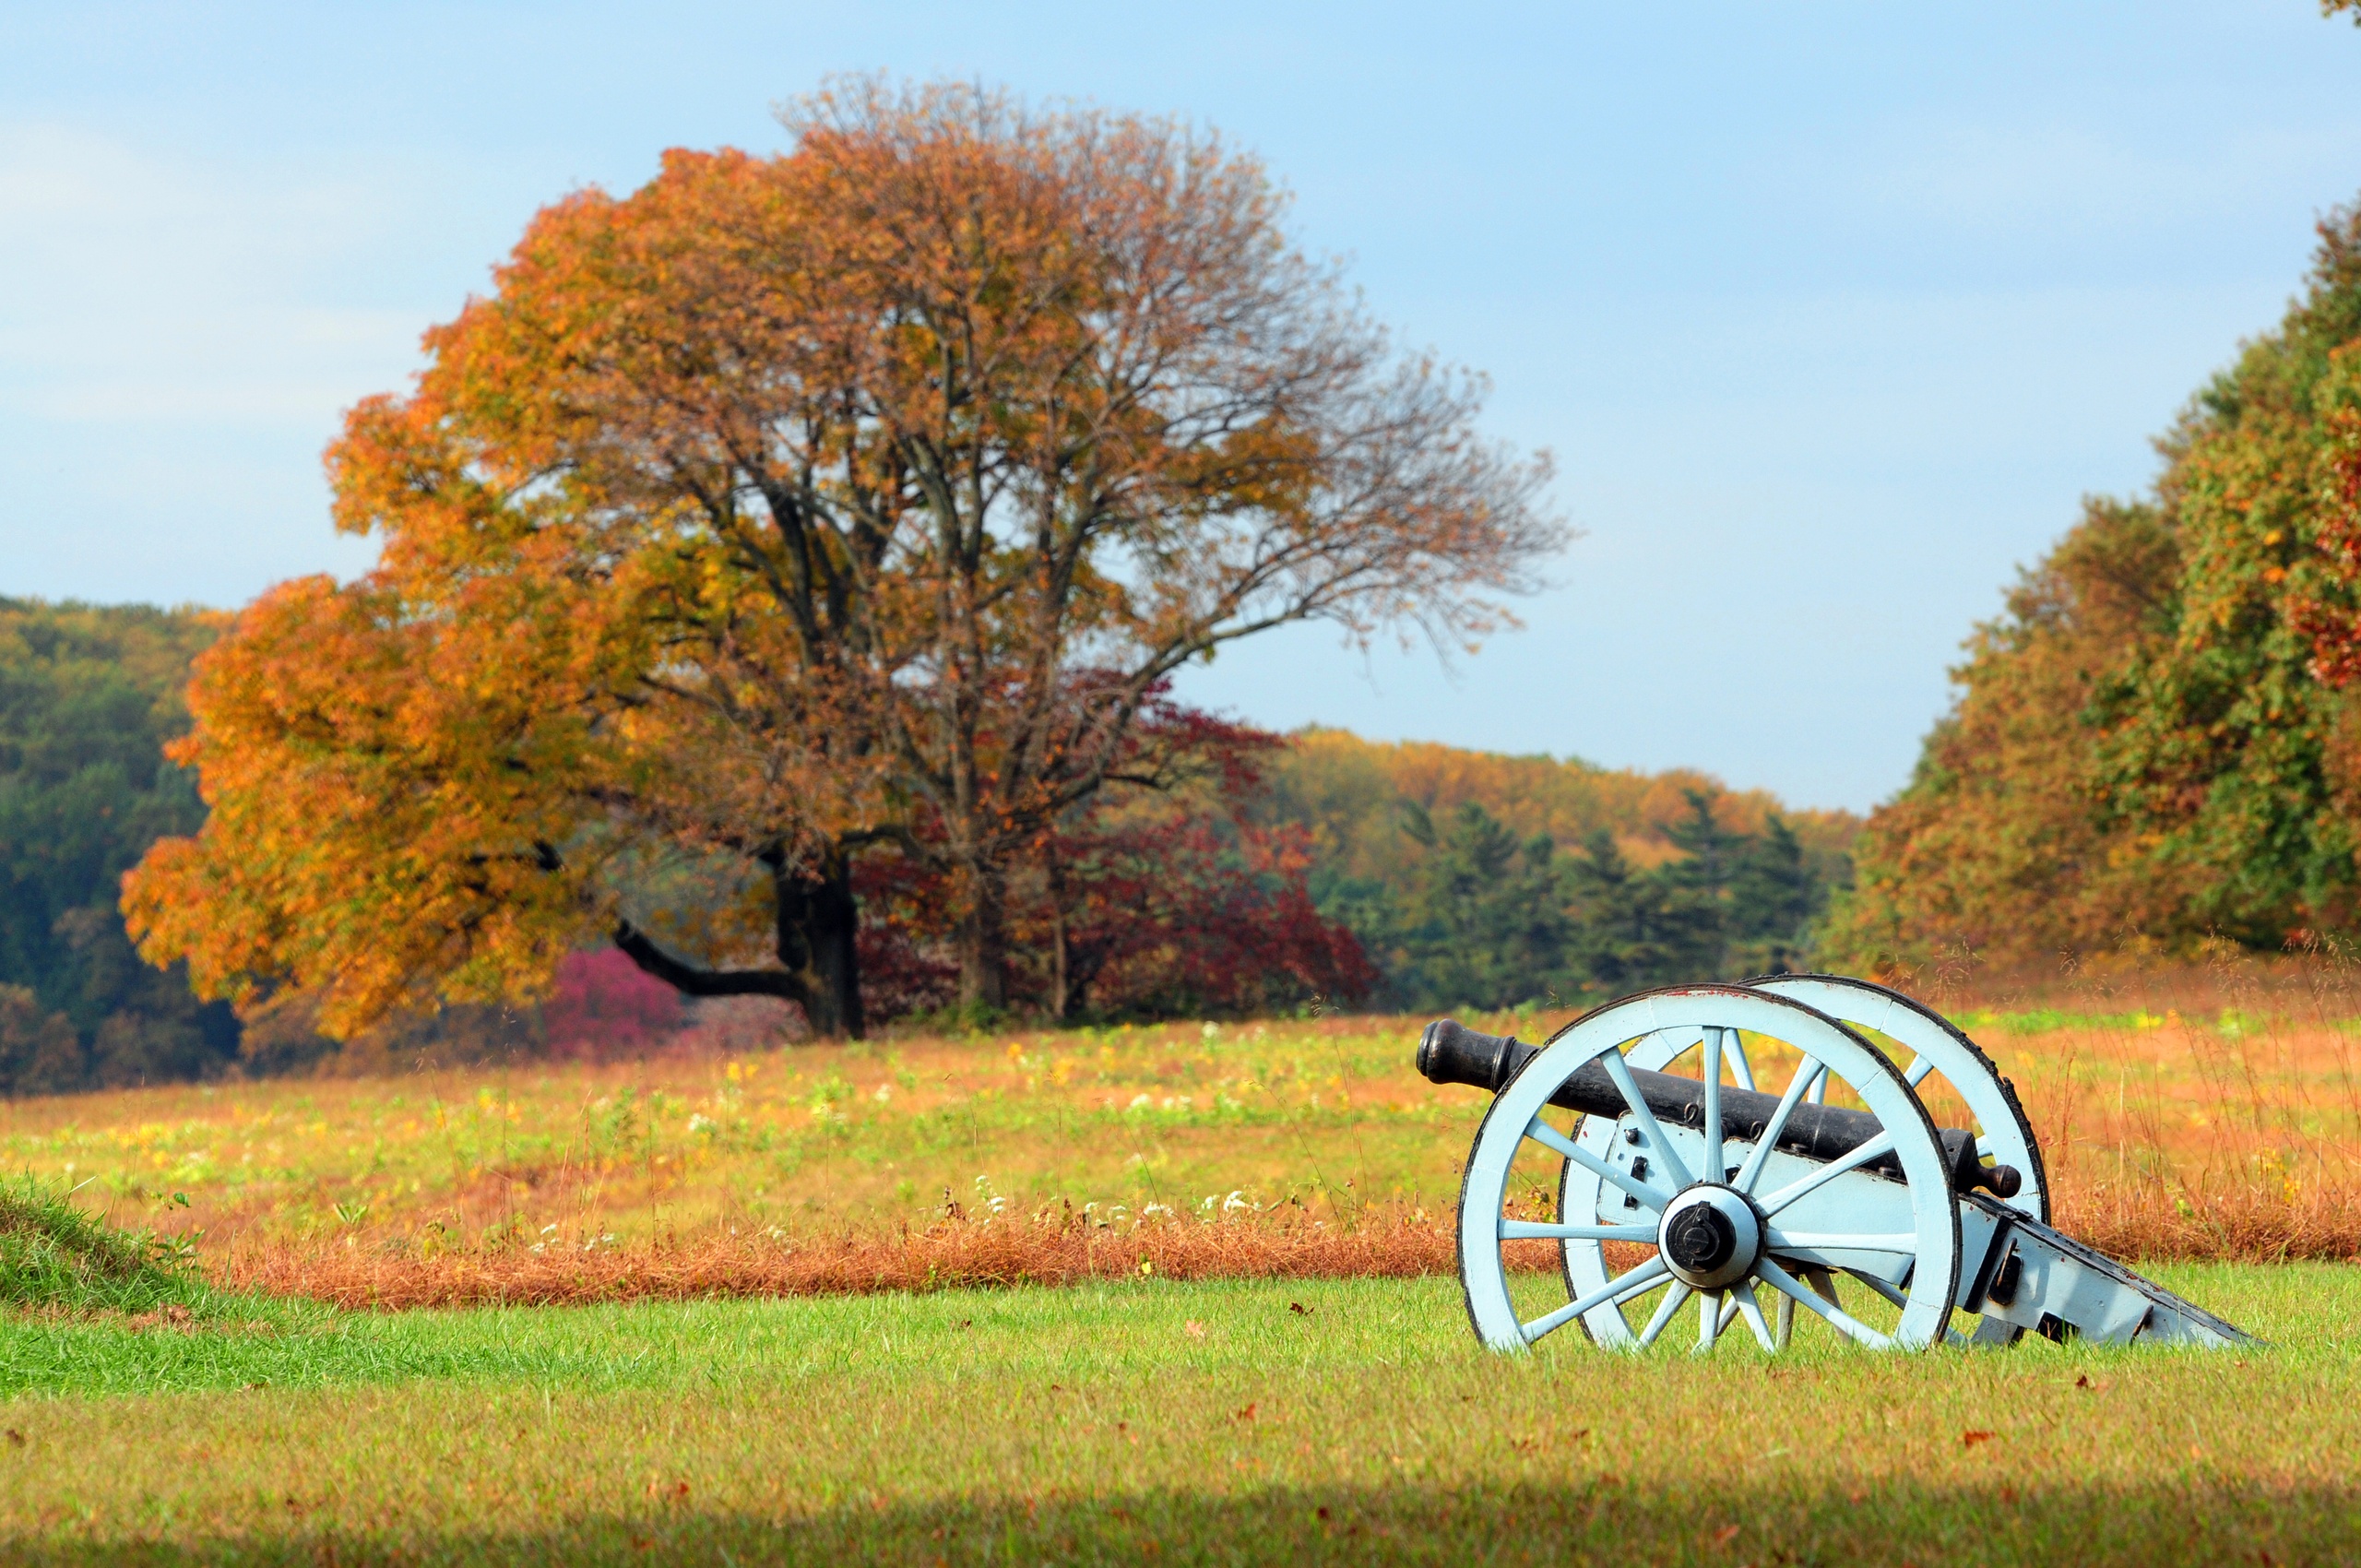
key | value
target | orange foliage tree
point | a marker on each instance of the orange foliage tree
(791, 509)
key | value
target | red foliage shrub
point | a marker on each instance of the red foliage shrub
(903, 943)
(605, 1007)
(1192, 915)
(1157, 899)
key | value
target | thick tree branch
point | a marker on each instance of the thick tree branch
(689, 980)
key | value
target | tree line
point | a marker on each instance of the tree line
(1490, 920)
(1487, 880)
(2157, 743)
(1317, 870)
(88, 698)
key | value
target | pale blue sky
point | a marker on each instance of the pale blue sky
(1830, 312)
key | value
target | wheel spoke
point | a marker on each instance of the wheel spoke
(1891, 1295)
(1665, 1310)
(1809, 1299)
(1629, 1281)
(1753, 1310)
(1620, 1072)
(1815, 1241)
(1920, 1068)
(1786, 1331)
(1740, 1068)
(1709, 1319)
(1548, 1137)
(1901, 1303)
(1760, 1156)
(1713, 1105)
(1673, 1055)
(1544, 1231)
(1806, 1185)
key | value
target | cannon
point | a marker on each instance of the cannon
(1641, 1126)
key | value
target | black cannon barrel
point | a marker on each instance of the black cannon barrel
(1450, 1053)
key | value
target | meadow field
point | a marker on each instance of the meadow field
(1284, 1146)
(1151, 1294)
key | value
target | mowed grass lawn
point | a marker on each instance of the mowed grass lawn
(1349, 1420)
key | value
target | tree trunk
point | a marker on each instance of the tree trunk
(817, 923)
(1061, 997)
(819, 970)
(983, 944)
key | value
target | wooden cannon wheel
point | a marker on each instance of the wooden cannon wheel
(1941, 1055)
(1715, 1218)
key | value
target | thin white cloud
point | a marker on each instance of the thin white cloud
(138, 286)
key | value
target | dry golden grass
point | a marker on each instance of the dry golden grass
(1061, 1250)
(1278, 1149)
(2237, 1137)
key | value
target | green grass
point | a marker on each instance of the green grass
(2230, 1023)
(1096, 1424)
(55, 1254)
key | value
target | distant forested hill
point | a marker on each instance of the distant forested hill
(1476, 878)
(88, 696)
(1470, 878)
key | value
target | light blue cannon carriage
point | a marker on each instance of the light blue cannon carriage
(1644, 1122)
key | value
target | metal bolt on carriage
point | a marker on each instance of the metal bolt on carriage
(1743, 1194)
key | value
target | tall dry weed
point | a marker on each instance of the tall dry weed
(2186, 1109)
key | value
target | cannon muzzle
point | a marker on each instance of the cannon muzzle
(1450, 1053)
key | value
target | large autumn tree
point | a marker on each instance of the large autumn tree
(2158, 742)
(790, 509)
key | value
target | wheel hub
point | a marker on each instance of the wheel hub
(1710, 1236)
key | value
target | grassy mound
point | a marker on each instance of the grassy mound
(57, 1254)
